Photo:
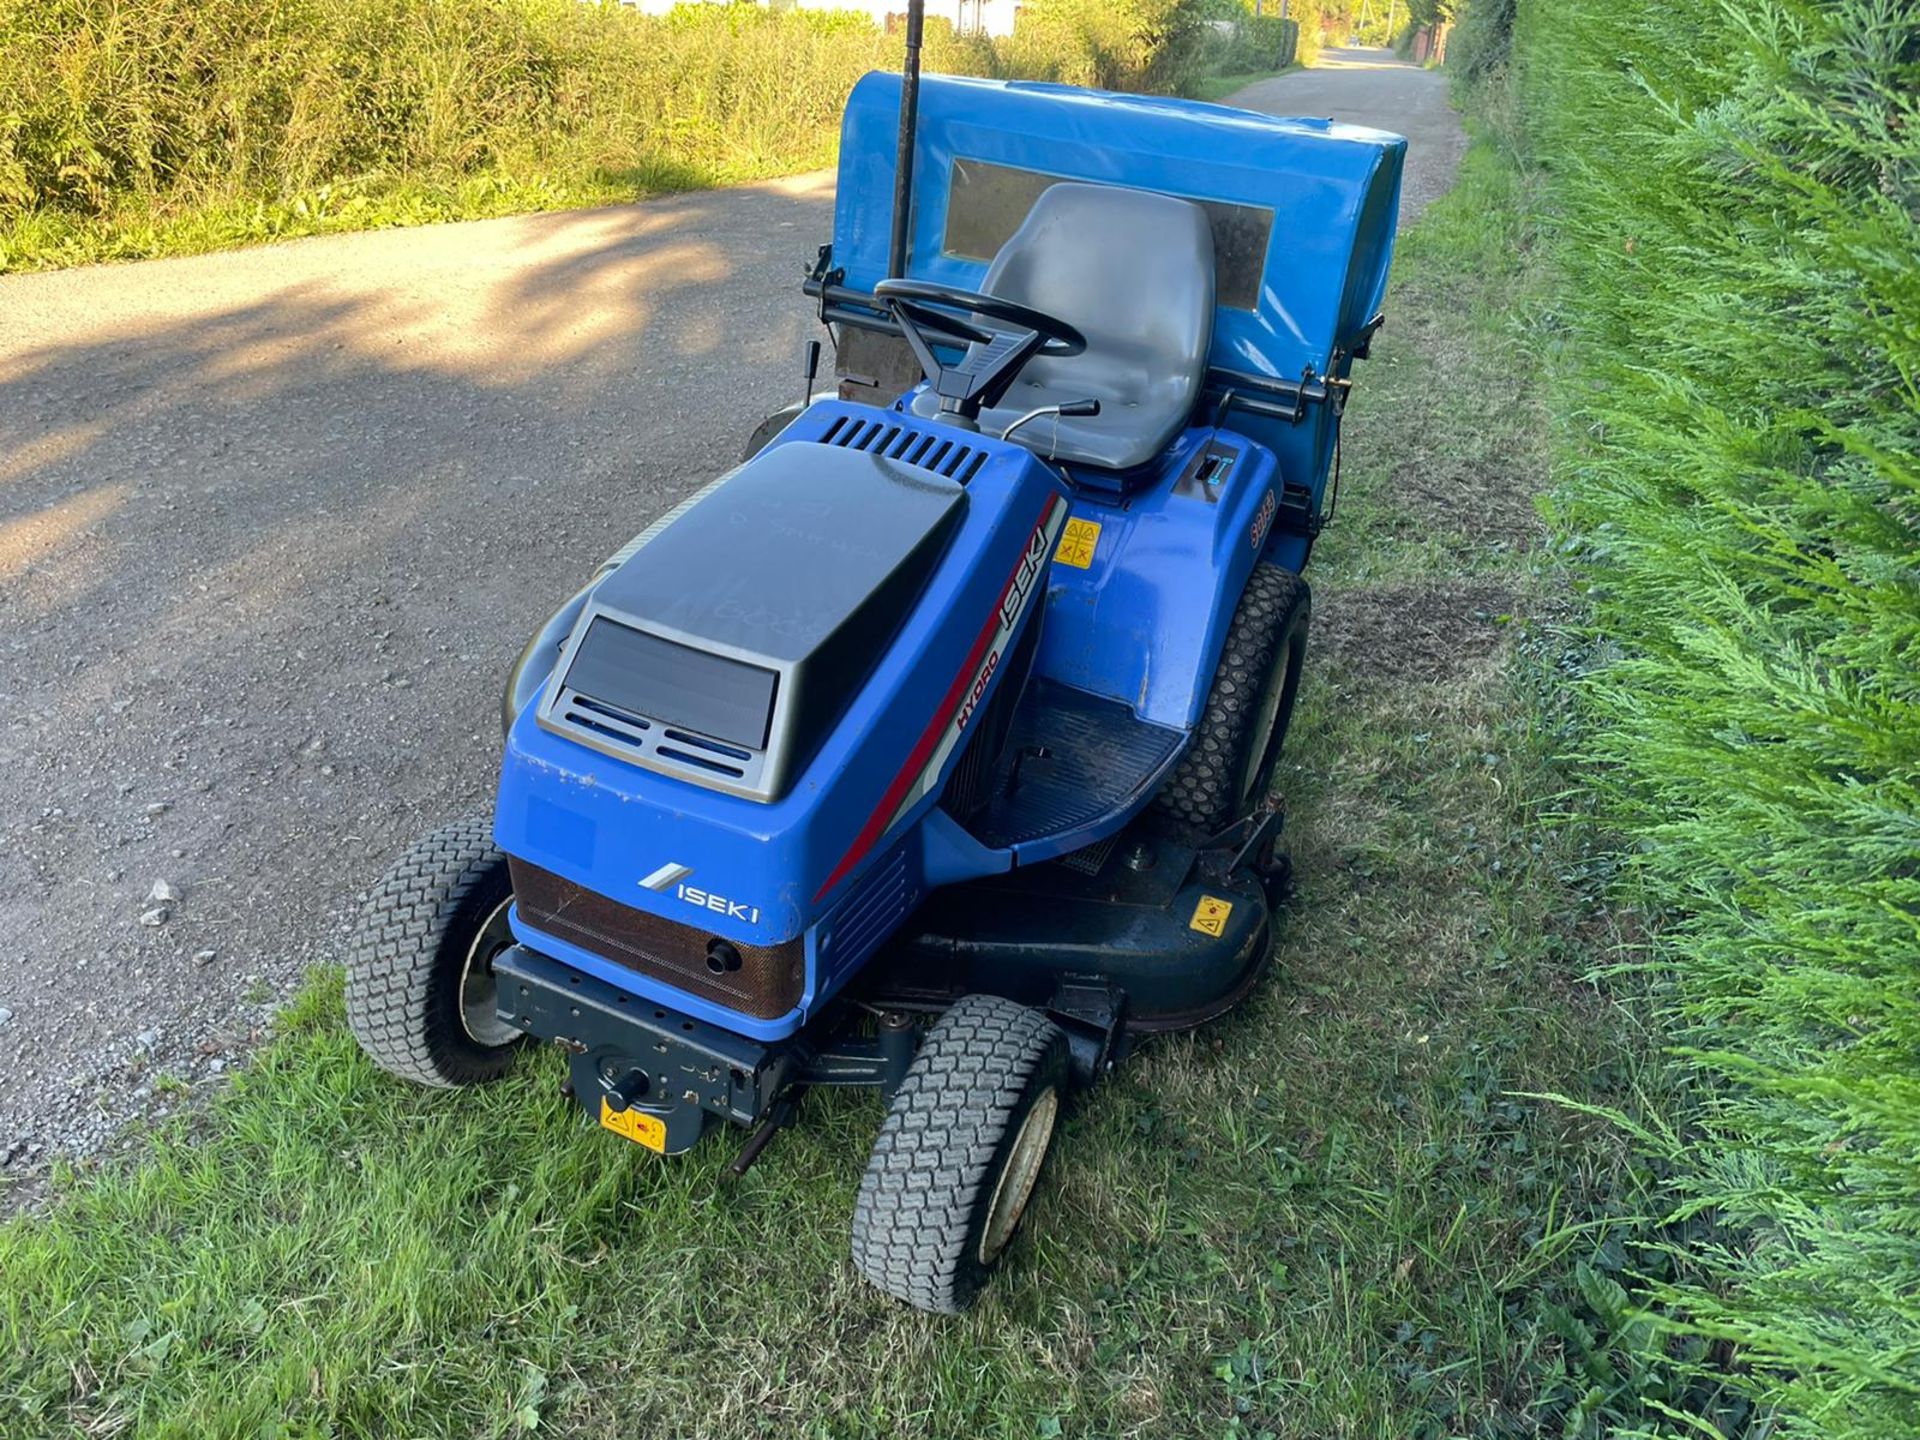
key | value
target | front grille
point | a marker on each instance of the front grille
(928, 449)
(768, 984)
(646, 743)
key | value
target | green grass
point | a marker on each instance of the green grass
(138, 230)
(1336, 1214)
(1219, 87)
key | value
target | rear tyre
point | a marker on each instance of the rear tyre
(959, 1153)
(420, 987)
(1228, 768)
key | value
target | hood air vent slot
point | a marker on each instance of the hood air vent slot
(929, 450)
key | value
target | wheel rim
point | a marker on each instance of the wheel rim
(479, 991)
(1018, 1176)
(1263, 727)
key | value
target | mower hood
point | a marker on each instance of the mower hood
(724, 648)
(757, 705)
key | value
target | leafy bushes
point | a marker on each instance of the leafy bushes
(1152, 45)
(181, 124)
(1267, 42)
(1735, 193)
(120, 119)
(1482, 42)
(1240, 43)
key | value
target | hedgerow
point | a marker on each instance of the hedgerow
(1734, 199)
(130, 130)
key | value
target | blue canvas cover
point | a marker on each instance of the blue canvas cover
(1333, 191)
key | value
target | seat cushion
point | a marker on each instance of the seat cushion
(1133, 272)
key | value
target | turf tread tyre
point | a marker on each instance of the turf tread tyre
(1201, 790)
(924, 1201)
(408, 948)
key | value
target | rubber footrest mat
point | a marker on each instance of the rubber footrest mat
(1072, 758)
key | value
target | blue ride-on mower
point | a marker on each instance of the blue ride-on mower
(930, 747)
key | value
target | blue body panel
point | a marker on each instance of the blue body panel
(1136, 613)
(602, 823)
(1145, 622)
(1142, 623)
(1334, 191)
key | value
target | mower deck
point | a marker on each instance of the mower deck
(1178, 934)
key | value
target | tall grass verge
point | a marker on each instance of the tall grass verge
(1734, 192)
(179, 124)
(172, 125)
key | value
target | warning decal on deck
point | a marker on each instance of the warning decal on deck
(636, 1125)
(1210, 916)
(1077, 544)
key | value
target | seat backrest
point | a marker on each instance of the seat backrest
(1134, 272)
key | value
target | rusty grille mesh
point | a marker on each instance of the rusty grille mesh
(767, 985)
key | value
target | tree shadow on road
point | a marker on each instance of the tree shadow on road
(264, 559)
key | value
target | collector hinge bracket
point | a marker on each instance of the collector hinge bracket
(822, 274)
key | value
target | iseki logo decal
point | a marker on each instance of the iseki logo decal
(1015, 600)
(671, 874)
(1019, 591)
(719, 904)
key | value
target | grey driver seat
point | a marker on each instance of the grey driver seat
(1133, 272)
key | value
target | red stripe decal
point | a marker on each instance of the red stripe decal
(943, 714)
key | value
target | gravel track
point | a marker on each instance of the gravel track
(273, 524)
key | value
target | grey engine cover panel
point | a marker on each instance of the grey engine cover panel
(788, 580)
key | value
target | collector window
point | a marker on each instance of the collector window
(986, 203)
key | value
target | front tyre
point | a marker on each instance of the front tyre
(420, 986)
(960, 1153)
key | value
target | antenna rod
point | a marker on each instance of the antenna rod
(909, 123)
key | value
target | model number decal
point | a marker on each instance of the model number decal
(1263, 518)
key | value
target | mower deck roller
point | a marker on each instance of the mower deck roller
(932, 748)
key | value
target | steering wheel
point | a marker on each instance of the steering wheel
(999, 337)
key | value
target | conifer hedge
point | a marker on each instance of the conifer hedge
(1734, 198)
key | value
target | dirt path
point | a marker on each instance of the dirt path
(1371, 87)
(272, 526)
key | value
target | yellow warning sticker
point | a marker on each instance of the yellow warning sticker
(1077, 544)
(1210, 916)
(636, 1125)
